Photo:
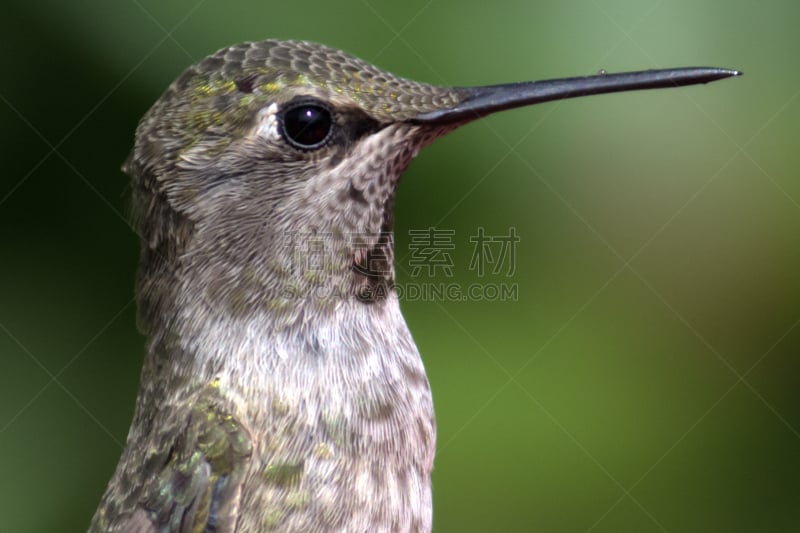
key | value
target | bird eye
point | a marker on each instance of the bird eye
(307, 125)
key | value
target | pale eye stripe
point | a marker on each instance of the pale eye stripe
(267, 122)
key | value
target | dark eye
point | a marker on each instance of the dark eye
(307, 125)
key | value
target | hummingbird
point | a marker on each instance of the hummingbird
(281, 388)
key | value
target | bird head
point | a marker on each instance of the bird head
(266, 172)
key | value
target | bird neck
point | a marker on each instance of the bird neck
(255, 356)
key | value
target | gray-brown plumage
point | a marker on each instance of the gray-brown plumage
(281, 389)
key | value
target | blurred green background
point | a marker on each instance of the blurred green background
(647, 377)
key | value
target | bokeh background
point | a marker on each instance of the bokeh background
(645, 379)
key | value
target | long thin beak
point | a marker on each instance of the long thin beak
(481, 101)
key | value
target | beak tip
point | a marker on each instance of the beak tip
(722, 73)
(729, 72)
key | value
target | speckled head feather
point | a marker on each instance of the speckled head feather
(269, 67)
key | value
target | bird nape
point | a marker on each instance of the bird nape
(281, 388)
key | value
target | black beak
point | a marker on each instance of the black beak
(481, 101)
